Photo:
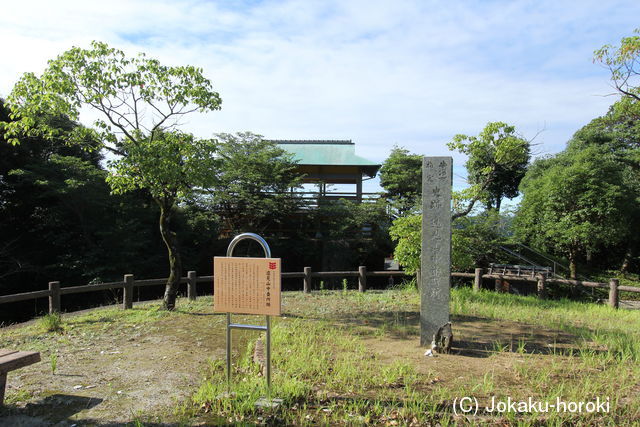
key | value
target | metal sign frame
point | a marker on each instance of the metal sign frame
(266, 328)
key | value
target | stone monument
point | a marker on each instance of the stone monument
(435, 268)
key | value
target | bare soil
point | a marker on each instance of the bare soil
(118, 375)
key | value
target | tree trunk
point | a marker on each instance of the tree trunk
(175, 262)
(572, 264)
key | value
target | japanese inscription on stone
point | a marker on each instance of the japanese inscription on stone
(246, 285)
(436, 246)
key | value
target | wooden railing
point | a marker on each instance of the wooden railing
(542, 281)
(129, 283)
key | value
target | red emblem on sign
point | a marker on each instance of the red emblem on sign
(272, 266)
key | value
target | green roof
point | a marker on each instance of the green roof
(325, 152)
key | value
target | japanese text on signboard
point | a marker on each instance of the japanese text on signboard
(247, 285)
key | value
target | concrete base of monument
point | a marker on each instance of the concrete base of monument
(265, 402)
(443, 339)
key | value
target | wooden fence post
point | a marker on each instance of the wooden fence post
(307, 280)
(613, 293)
(54, 297)
(127, 297)
(542, 289)
(192, 279)
(477, 280)
(362, 278)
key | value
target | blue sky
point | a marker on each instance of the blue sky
(412, 73)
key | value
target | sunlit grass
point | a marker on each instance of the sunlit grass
(618, 331)
(50, 323)
(322, 373)
(326, 376)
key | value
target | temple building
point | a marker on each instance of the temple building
(328, 162)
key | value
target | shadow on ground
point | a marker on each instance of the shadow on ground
(473, 336)
(51, 410)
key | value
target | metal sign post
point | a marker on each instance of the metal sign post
(230, 326)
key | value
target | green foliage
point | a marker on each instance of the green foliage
(498, 159)
(313, 361)
(327, 343)
(401, 177)
(618, 134)
(136, 96)
(51, 322)
(352, 233)
(346, 217)
(618, 131)
(407, 232)
(623, 62)
(474, 241)
(573, 203)
(167, 164)
(55, 193)
(140, 103)
(53, 362)
(253, 183)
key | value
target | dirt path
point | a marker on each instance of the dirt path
(119, 374)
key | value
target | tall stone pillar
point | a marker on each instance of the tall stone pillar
(436, 246)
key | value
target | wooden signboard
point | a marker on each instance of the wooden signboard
(247, 285)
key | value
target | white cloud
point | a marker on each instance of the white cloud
(413, 73)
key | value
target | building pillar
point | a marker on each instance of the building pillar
(359, 188)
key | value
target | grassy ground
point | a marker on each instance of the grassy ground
(351, 358)
(342, 358)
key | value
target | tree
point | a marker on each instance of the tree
(171, 166)
(348, 233)
(140, 103)
(254, 184)
(55, 193)
(624, 64)
(622, 123)
(618, 133)
(407, 232)
(573, 203)
(475, 241)
(401, 177)
(498, 159)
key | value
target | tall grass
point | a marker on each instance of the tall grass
(618, 331)
(314, 362)
(51, 322)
